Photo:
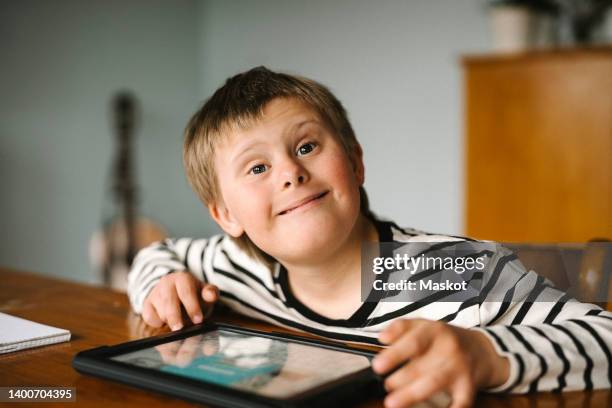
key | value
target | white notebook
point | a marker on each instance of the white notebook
(19, 334)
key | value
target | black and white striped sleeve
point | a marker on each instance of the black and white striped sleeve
(163, 257)
(553, 342)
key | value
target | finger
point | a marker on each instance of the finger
(149, 315)
(463, 394)
(396, 329)
(172, 308)
(210, 294)
(418, 391)
(158, 307)
(410, 345)
(408, 374)
(421, 368)
(187, 289)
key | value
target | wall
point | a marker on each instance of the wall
(61, 63)
(394, 65)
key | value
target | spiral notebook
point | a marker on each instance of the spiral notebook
(20, 334)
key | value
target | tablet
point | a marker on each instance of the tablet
(229, 366)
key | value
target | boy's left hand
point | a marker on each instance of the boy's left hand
(441, 358)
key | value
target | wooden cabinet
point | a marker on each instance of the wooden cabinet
(539, 146)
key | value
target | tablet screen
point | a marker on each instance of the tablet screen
(269, 367)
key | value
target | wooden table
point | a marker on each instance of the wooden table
(98, 316)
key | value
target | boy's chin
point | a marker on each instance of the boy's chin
(311, 239)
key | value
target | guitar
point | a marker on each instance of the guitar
(124, 232)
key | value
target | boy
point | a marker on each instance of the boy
(275, 160)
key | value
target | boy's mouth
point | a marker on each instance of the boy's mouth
(303, 202)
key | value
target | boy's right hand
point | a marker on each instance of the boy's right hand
(173, 292)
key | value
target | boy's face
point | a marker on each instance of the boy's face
(288, 183)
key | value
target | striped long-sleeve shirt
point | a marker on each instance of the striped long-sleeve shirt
(559, 344)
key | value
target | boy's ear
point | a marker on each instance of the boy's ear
(223, 216)
(357, 161)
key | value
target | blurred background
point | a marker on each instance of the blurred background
(428, 86)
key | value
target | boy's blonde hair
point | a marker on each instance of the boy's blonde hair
(239, 104)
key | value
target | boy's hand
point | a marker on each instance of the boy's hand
(173, 292)
(442, 358)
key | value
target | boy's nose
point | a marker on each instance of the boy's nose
(293, 174)
(299, 180)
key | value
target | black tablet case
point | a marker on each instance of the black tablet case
(344, 391)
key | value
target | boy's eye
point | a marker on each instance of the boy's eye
(260, 168)
(306, 148)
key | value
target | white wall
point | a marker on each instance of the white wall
(394, 65)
